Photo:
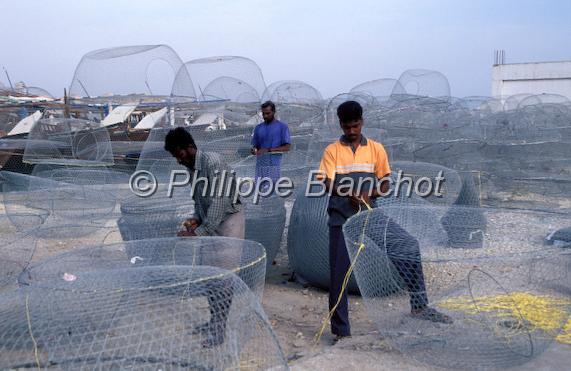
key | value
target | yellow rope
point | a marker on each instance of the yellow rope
(36, 352)
(346, 278)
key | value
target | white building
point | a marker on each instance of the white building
(532, 78)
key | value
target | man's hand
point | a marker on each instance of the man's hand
(365, 198)
(261, 151)
(186, 233)
(191, 224)
(361, 199)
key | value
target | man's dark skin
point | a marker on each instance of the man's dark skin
(268, 115)
(187, 157)
(352, 131)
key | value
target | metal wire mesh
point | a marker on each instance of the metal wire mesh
(68, 142)
(165, 214)
(507, 301)
(381, 89)
(142, 70)
(292, 165)
(245, 258)
(230, 88)
(152, 317)
(205, 70)
(64, 195)
(424, 83)
(448, 188)
(16, 249)
(292, 92)
(265, 223)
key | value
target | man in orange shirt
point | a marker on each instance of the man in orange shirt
(365, 162)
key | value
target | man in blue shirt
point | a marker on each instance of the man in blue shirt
(270, 139)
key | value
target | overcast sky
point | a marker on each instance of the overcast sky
(332, 45)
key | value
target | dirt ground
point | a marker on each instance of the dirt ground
(297, 312)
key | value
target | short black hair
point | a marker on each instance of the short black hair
(270, 104)
(349, 111)
(178, 138)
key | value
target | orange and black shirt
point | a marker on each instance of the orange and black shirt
(367, 163)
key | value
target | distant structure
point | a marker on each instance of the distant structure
(530, 78)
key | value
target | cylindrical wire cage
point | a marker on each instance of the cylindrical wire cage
(151, 317)
(506, 301)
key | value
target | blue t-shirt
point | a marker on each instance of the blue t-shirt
(272, 135)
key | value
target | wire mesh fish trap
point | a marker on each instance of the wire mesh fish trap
(440, 184)
(69, 142)
(290, 165)
(508, 301)
(16, 249)
(136, 72)
(308, 240)
(65, 194)
(204, 71)
(154, 217)
(265, 223)
(153, 317)
(245, 258)
(231, 89)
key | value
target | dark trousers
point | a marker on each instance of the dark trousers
(338, 265)
(402, 250)
(404, 253)
(219, 292)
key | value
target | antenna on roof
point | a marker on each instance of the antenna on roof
(499, 57)
(8, 77)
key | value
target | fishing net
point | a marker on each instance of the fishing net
(512, 102)
(533, 100)
(308, 240)
(381, 89)
(139, 71)
(245, 258)
(205, 70)
(151, 317)
(368, 102)
(68, 142)
(440, 184)
(290, 165)
(232, 144)
(309, 256)
(480, 104)
(299, 116)
(63, 195)
(422, 83)
(507, 300)
(16, 248)
(154, 217)
(292, 92)
(229, 88)
(265, 223)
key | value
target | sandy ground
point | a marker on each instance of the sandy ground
(296, 314)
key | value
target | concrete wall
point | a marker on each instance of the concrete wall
(532, 78)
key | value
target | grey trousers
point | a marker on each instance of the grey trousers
(233, 226)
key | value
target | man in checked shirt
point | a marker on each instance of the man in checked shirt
(218, 213)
